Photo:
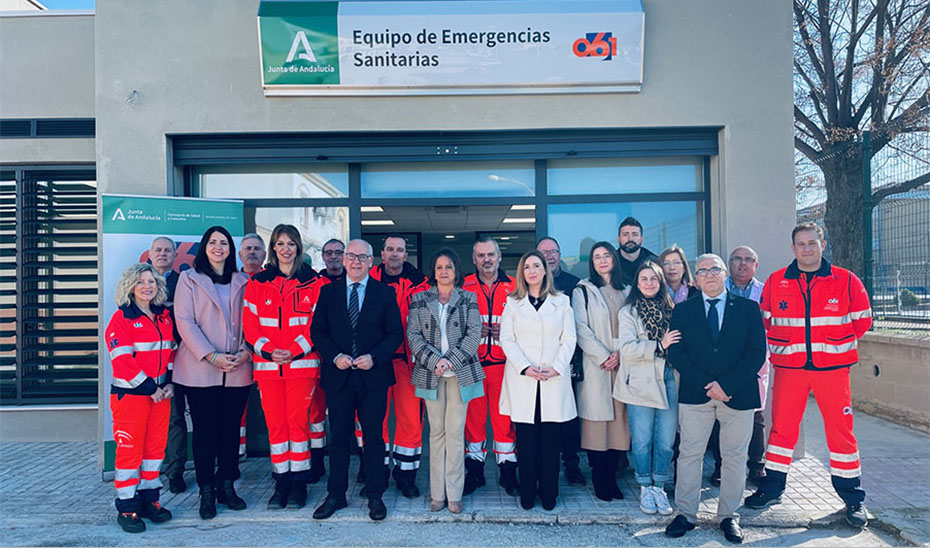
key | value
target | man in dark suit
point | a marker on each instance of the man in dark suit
(356, 328)
(721, 350)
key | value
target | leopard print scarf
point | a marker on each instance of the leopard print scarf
(655, 314)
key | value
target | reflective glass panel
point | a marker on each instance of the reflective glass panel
(448, 179)
(316, 226)
(625, 175)
(578, 226)
(316, 181)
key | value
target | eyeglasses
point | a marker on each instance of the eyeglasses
(360, 257)
(599, 258)
(550, 252)
(333, 252)
(715, 271)
(747, 260)
(672, 263)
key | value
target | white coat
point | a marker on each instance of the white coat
(545, 338)
(592, 325)
(641, 378)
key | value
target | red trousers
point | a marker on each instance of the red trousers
(408, 423)
(477, 419)
(789, 397)
(318, 419)
(140, 429)
(286, 403)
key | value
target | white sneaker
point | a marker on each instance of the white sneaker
(647, 502)
(661, 501)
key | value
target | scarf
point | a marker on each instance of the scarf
(655, 314)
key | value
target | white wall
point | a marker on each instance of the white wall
(195, 68)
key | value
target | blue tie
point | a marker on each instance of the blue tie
(353, 314)
(713, 319)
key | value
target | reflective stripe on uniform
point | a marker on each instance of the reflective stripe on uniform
(251, 307)
(268, 322)
(265, 366)
(846, 472)
(303, 343)
(260, 343)
(504, 447)
(127, 492)
(867, 313)
(280, 467)
(408, 451)
(844, 457)
(305, 364)
(318, 427)
(404, 465)
(300, 465)
(150, 465)
(122, 474)
(816, 321)
(783, 451)
(317, 443)
(299, 447)
(131, 383)
(150, 346)
(279, 448)
(154, 483)
(777, 466)
(298, 320)
(120, 351)
(495, 319)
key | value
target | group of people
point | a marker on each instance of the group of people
(641, 361)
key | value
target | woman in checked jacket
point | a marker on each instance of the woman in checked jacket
(276, 317)
(141, 345)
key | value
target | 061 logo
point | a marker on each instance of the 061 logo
(596, 44)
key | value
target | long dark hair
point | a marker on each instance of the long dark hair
(456, 264)
(202, 263)
(616, 273)
(663, 294)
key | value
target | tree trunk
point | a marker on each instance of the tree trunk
(844, 209)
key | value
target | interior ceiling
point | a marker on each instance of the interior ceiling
(450, 218)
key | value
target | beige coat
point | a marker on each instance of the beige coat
(592, 326)
(545, 338)
(641, 378)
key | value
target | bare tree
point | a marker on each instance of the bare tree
(859, 65)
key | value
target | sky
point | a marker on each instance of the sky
(68, 4)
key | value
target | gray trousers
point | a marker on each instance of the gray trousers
(695, 423)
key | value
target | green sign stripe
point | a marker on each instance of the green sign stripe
(300, 8)
(154, 215)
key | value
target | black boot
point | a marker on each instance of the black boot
(317, 468)
(279, 499)
(474, 475)
(297, 495)
(508, 479)
(226, 494)
(597, 460)
(610, 474)
(207, 502)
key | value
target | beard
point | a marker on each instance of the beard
(631, 247)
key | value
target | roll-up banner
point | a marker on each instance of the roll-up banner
(446, 47)
(130, 223)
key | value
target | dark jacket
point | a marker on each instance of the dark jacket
(379, 333)
(565, 282)
(733, 361)
(628, 268)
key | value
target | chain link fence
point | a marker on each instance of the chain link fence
(899, 248)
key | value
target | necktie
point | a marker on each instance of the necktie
(713, 319)
(353, 313)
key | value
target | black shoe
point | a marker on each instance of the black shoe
(154, 512)
(527, 503)
(409, 490)
(573, 475)
(279, 499)
(377, 511)
(297, 495)
(731, 530)
(548, 504)
(329, 507)
(761, 499)
(715, 477)
(855, 515)
(207, 503)
(317, 468)
(756, 475)
(508, 478)
(615, 491)
(176, 483)
(226, 494)
(678, 527)
(472, 482)
(130, 522)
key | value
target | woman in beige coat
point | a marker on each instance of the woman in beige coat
(538, 337)
(214, 365)
(604, 428)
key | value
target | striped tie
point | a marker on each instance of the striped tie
(353, 313)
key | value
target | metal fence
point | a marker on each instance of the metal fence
(899, 247)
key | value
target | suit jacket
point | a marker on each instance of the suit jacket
(733, 361)
(379, 333)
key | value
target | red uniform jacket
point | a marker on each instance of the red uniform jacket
(141, 350)
(491, 301)
(814, 325)
(410, 282)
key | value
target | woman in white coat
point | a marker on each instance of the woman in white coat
(605, 432)
(538, 337)
(646, 384)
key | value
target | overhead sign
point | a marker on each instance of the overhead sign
(450, 47)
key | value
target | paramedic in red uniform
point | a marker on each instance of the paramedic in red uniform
(491, 285)
(277, 312)
(814, 314)
(141, 345)
(407, 281)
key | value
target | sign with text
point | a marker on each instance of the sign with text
(461, 47)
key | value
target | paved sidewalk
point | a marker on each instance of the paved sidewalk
(61, 479)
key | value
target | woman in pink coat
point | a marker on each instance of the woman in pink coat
(213, 365)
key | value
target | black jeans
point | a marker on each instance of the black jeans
(216, 414)
(538, 447)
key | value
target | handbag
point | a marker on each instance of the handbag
(578, 356)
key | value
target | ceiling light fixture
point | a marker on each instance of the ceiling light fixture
(372, 209)
(523, 207)
(512, 220)
(378, 222)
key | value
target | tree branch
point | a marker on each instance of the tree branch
(807, 150)
(898, 188)
(815, 131)
(829, 69)
(808, 42)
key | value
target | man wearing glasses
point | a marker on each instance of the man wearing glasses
(721, 349)
(332, 259)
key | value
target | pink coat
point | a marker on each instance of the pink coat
(204, 330)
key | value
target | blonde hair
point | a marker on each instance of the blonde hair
(521, 290)
(130, 277)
